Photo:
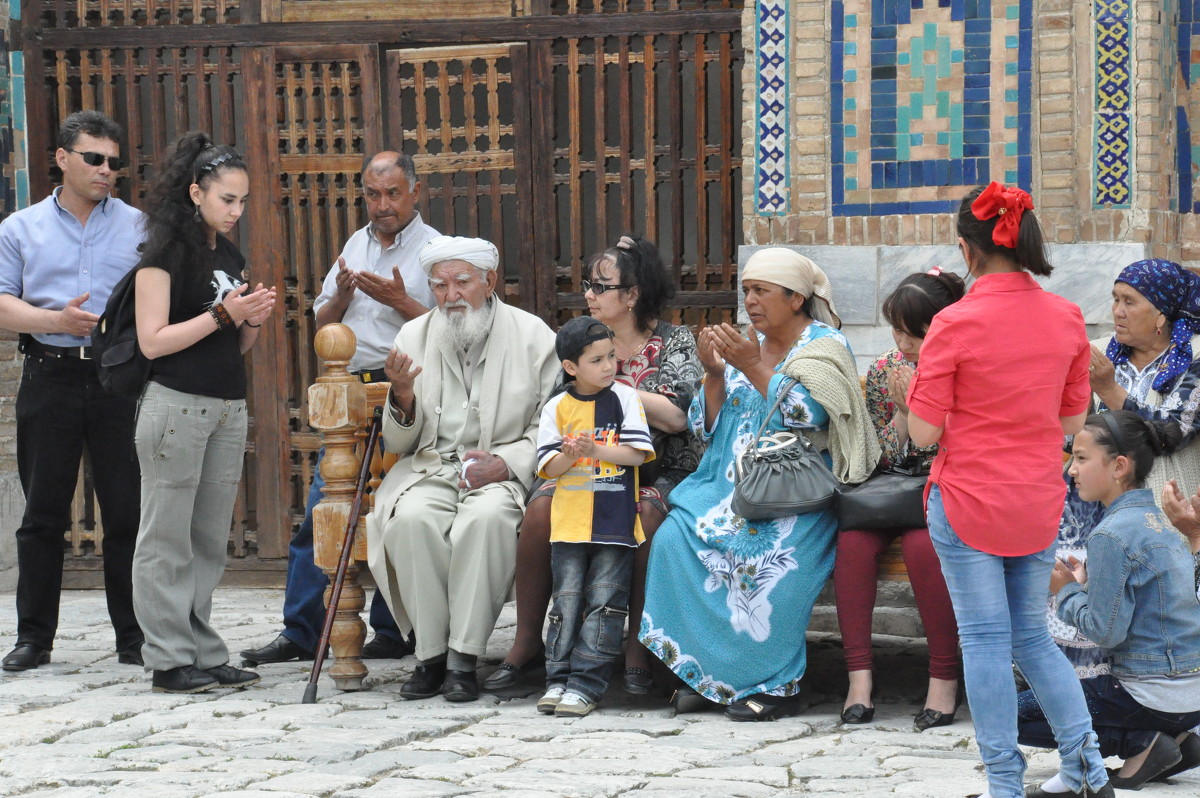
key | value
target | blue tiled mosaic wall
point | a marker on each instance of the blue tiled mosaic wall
(928, 97)
(771, 112)
(1112, 174)
(1187, 156)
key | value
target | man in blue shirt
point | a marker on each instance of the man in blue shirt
(59, 261)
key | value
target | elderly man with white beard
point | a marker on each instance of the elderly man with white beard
(467, 385)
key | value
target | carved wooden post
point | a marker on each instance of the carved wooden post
(337, 405)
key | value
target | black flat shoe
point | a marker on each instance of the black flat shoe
(685, 700)
(930, 718)
(229, 676)
(509, 675)
(426, 681)
(638, 681)
(26, 656)
(131, 655)
(1164, 754)
(460, 687)
(858, 713)
(384, 647)
(184, 679)
(1189, 751)
(763, 707)
(280, 649)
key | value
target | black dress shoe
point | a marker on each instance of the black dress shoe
(638, 681)
(930, 718)
(278, 650)
(184, 679)
(229, 676)
(509, 675)
(763, 707)
(460, 686)
(1164, 754)
(1189, 751)
(384, 647)
(25, 657)
(858, 713)
(131, 655)
(685, 700)
(426, 681)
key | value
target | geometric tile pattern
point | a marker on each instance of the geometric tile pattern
(1112, 175)
(771, 152)
(1187, 154)
(928, 98)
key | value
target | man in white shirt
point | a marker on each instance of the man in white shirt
(376, 286)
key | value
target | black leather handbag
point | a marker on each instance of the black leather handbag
(889, 498)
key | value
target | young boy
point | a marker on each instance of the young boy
(593, 436)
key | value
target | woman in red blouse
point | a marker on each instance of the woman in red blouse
(1003, 374)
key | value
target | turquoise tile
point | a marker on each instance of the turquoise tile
(956, 56)
(943, 138)
(943, 104)
(852, 20)
(851, 131)
(851, 156)
(1010, 122)
(851, 75)
(1010, 68)
(851, 48)
(852, 184)
(916, 139)
(1012, 96)
(903, 115)
(903, 60)
(851, 103)
(1012, 42)
(1010, 149)
(1010, 176)
(1013, 11)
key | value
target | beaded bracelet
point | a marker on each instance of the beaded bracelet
(221, 316)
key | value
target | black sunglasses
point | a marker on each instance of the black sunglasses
(95, 159)
(599, 288)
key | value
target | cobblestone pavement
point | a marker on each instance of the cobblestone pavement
(85, 726)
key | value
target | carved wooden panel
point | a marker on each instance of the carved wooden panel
(626, 6)
(457, 111)
(332, 10)
(111, 13)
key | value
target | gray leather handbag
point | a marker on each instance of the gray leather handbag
(781, 474)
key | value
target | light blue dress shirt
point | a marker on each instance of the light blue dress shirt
(47, 258)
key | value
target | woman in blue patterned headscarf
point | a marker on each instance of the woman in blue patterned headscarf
(1149, 366)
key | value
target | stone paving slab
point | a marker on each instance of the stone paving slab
(85, 726)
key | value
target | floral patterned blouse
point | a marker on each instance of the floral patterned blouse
(883, 414)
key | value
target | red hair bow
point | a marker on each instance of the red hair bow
(1008, 205)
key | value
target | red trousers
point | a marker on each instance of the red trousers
(855, 572)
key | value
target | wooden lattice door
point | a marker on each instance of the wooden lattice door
(462, 113)
(319, 123)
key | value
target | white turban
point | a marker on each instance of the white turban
(475, 251)
(792, 270)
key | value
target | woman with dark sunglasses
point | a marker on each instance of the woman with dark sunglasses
(626, 288)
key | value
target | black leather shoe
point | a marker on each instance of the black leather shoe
(131, 655)
(763, 707)
(229, 676)
(1103, 792)
(426, 681)
(384, 647)
(1164, 755)
(184, 679)
(460, 686)
(685, 700)
(278, 650)
(930, 718)
(509, 675)
(858, 713)
(25, 657)
(1189, 751)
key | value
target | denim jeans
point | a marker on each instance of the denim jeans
(587, 619)
(1000, 604)
(1125, 727)
(304, 590)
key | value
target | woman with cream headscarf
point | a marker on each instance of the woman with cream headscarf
(715, 580)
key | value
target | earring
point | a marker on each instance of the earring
(196, 214)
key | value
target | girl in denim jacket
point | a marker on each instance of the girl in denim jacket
(1140, 605)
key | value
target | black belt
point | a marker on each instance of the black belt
(35, 347)
(372, 375)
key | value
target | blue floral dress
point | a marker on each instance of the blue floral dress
(715, 580)
(1179, 405)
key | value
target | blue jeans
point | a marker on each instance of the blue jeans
(1125, 727)
(304, 591)
(1000, 604)
(587, 619)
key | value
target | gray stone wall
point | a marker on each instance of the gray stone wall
(863, 276)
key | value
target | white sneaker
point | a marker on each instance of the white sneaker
(573, 705)
(547, 703)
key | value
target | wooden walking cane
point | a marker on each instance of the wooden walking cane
(335, 595)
